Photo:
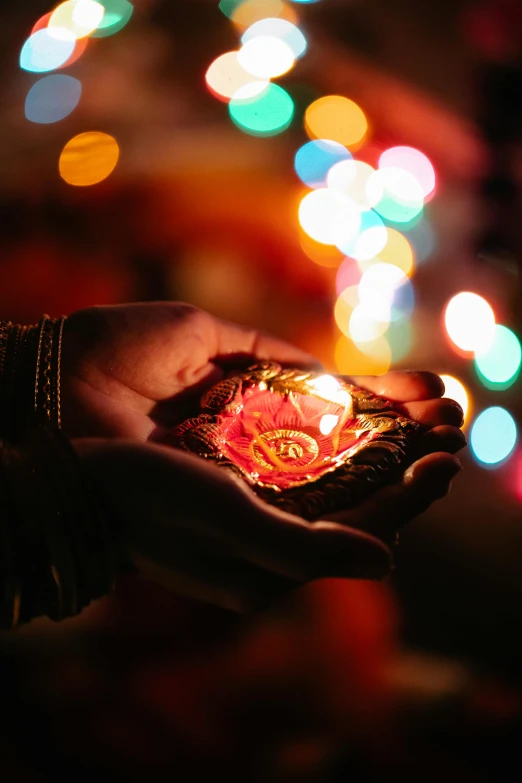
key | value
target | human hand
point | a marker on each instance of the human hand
(135, 370)
(204, 533)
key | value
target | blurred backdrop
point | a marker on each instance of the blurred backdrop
(345, 174)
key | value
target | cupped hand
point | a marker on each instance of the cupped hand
(135, 370)
(202, 532)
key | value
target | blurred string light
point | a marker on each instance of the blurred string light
(280, 29)
(366, 221)
(470, 322)
(338, 118)
(251, 11)
(266, 57)
(414, 162)
(52, 98)
(78, 17)
(328, 216)
(57, 39)
(226, 76)
(351, 177)
(117, 13)
(498, 366)
(43, 51)
(79, 48)
(264, 113)
(493, 436)
(314, 160)
(88, 158)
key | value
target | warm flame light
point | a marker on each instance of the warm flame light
(328, 423)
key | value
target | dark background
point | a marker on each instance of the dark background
(417, 678)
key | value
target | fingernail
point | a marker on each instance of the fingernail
(444, 472)
(449, 442)
(455, 414)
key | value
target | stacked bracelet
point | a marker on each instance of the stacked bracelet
(57, 551)
(30, 359)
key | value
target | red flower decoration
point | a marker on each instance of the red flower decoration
(307, 443)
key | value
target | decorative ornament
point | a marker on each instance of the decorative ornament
(310, 444)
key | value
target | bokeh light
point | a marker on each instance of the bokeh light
(400, 338)
(378, 291)
(278, 28)
(314, 160)
(395, 194)
(264, 114)
(348, 274)
(351, 360)
(422, 238)
(79, 17)
(43, 51)
(322, 255)
(493, 435)
(413, 161)
(226, 76)
(455, 390)
(363, 327)
(228, 7)
(117, 13)
(369, 240)
(52, 98)
(42, 22)
(397, 251)
(337, 118)
(499, 365)
(251, 11)
(79, 48)
(328, 216)
(88, 158)
(470, 322)
(344, 306)
(351, 178)
(266, 57)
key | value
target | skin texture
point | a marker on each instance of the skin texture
(130, 372)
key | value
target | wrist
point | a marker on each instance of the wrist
(30, 364)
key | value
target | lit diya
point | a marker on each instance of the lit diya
(308, 443)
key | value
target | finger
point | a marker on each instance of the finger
(238, 586)
(401, 385)
(389, 509)
(230, 339)
(432, 413)
(303, 551)
(443, 438)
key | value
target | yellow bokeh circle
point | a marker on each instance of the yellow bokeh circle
(337, 118)
(351, 360)
(88, 158)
